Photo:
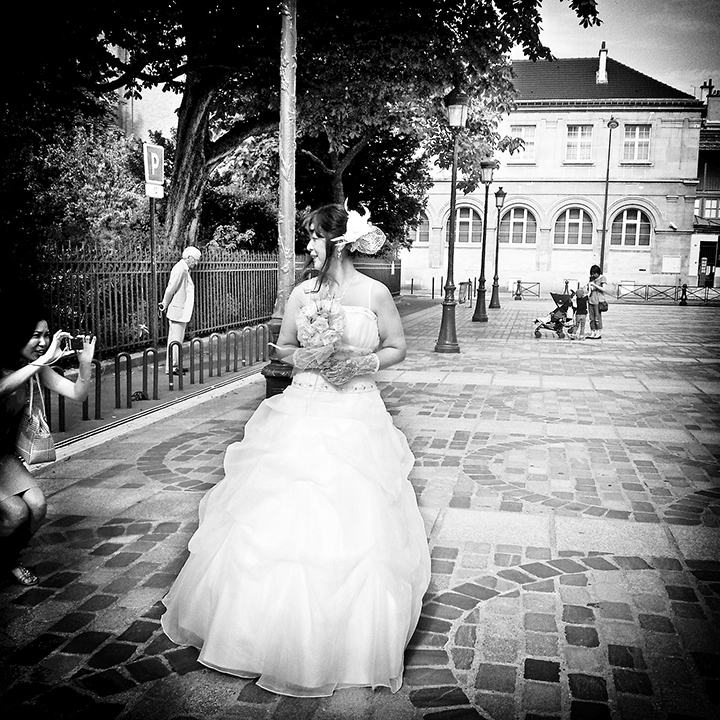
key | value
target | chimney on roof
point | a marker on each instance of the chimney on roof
(601, 77)
(706, 89)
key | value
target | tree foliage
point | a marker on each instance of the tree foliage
(360, 74)
(44, 94)
(364, 79)
(96, 198)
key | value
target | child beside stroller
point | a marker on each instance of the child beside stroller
(580, 304)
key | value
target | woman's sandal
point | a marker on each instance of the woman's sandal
(23, 576)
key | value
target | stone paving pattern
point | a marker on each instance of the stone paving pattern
(571, 496)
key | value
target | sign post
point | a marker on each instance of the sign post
(154, 180)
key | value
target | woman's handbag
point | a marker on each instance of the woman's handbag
(34, 442)
(603, 306)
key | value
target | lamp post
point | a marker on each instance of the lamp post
(499, 202)
(457, 104)
(612, 124)
(486, 175)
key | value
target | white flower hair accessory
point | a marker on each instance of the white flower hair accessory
(361, 235)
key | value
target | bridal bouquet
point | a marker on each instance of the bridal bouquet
(320, 325)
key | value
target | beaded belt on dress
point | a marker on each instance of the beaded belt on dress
(315, 381)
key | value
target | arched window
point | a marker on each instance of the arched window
(468, 226)
(631, 228)
(573, 227)
(518, 226)
(421, 234)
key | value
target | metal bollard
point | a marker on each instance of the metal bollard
(168, 364)
(98, 393)
(47, 397)
(214, 337)
(128, 379)
(247, 338)
(518, 292)
(156, 377)
(196, 343)
(235, 340)
(262, 339)
(683, 296)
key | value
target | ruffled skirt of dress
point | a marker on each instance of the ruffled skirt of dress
(310, 562)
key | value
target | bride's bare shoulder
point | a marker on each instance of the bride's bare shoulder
(305, 288)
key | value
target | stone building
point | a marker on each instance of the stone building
(609, 166)
(704, 249)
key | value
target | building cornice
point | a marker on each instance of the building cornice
(659, 103)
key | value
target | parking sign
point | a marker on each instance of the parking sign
(154, 171)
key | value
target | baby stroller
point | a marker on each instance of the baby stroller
(557, 321)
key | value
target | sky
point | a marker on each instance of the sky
(674, 41)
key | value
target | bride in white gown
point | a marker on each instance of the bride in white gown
(310, 562)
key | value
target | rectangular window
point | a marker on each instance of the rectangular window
(636, 143)
(712, 208)
(463, 222)
(579, 143)
(531, 229)
(423, 231)
(573, 227)
(527, 134)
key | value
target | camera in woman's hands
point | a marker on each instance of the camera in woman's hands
(77, 342)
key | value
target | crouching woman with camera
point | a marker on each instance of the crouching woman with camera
(26, 354)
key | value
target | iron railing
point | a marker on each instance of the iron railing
(112, 296)
(672, 293)
(526, 289)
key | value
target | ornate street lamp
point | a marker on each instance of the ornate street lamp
(499, 202)
(486, 175)
(457, 104)
(612, 124)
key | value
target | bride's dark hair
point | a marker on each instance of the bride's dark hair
(328, 221)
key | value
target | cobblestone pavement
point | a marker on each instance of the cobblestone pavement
(571, 496)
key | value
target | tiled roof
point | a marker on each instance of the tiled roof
(574, 79)
(710, 138)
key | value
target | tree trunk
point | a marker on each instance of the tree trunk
(191, 168)
(336, 166)
(338, 189)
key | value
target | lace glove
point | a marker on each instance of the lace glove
(341, 368)
(311, 358)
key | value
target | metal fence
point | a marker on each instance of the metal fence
(673, 293)
(112, 296)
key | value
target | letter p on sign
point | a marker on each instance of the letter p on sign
(154, 171)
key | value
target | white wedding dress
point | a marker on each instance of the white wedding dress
(310, 563)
